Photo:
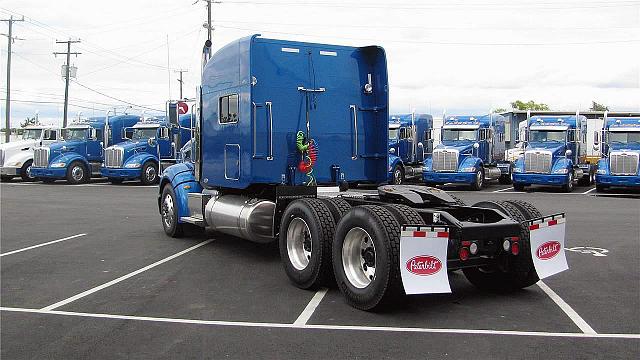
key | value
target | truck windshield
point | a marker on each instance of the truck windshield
(621, 137)
(143, 133)
(31, 134)
(393, 134)
(74, 134)
(546, 135)
(452, 135)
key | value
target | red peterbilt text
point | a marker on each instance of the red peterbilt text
(424, 265)
(548, 250)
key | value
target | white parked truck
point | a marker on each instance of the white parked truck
(16, 157)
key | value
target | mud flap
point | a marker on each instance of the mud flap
(547, 245)
(423, 259)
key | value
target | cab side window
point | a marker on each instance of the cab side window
(52, 135)
(228, 109)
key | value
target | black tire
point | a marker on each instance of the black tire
(169, 213)
(568, 187)
(528, 210)
(47, 180)
(6, 178)
(397, 176)
(518, 187)
(383, 229)
(405, 214)
(25, 172)
(338, 207)
(520, 272)
(149, 174)
(478, 184)
(601, 188)
(320, 227)
(116, 181)
(504, 179)
(77, 173)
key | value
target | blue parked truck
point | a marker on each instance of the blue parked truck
(555, 153)
(80, 153)
(471, 152)
(152, 146)
(619, 142)
(277, 119)
(410, 143)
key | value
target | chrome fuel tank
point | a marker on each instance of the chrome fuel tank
(250, 219)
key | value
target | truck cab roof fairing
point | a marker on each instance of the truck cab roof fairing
(266, 75)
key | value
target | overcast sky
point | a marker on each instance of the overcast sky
(463, 56)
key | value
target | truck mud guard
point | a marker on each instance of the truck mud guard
(423, 259)
(547, 238)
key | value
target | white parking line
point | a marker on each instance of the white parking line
(588, 191)
(306, 314)
(43, 244)
(86, 185)
(501, 190)
(321, 327)
(572, 314)
(124, 277)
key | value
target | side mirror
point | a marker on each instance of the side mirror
(420, 145)
(476, 146)
(568, 153)
(151, 141)
(93, 134)
(164, 133)
(596, 147)
(392, 150)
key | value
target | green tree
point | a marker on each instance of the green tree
(530, 105)
(29, 121)
(499, 110)
(598, 107)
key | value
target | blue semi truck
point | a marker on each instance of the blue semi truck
(555, 153)
(619, 142)
(410, 143)
(471, 152)
(277, 119)
(152, 146)
(80, 153)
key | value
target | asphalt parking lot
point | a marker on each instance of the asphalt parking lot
(114, 286)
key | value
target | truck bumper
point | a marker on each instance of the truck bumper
(618, 180)
(445, 177)
(540, 179)
(57, 173)
(9, 171)
(121, 173)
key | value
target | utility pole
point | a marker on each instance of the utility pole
(180, 80)
(11, 20)
(66, 76)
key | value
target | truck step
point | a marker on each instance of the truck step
(193, 220)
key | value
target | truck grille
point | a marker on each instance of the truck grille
(41, 157)
(537, 162)
(445, 160)
(621, 163)
(113, 157)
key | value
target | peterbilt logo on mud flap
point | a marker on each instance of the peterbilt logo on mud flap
(548, 250)
(424, 265)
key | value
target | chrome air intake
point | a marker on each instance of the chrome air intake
(623, 163)
(536, 161)
(250, 219)
(445, 160)
(41, 157)
(113, 157)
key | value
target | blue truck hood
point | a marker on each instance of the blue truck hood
(57, 148)
(556, 148)
(461, 146)
(134, 145)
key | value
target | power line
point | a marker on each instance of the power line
(114, 98)
(54, 103)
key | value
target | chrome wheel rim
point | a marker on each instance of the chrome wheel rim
(397, 176)
(359, 258)
(77, 173)
(150, 173)
(299, 244)
(479, 179)
(167, 211)
(28, 171)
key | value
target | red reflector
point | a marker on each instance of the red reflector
(442, 234)
(464, 254)
(534, 227)
(515, 238)
(419, 234)
(515, 248)
(553, 222)
(466, 243)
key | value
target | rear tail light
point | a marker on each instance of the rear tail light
(464, 253)
(515, 248)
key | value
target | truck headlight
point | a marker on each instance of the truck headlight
(516, 170)
(561, 171)
(15, 163)
(58, 165)
(601, 171)
(468, 169)
(132, 165)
